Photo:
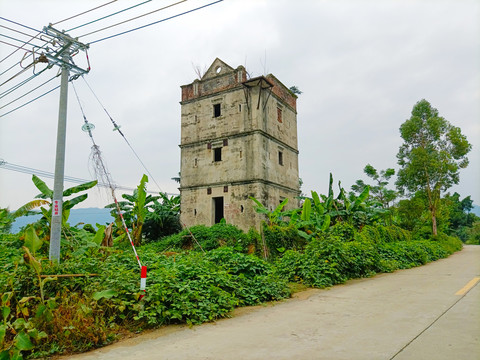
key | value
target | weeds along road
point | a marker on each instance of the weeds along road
(429, 312)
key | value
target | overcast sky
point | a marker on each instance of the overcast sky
(362, 66)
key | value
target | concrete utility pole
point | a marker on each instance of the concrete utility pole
(57, 205)
(61, 56)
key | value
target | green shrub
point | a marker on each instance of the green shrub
(207, 238)
(320, 265)
(343, 231)
(190, 287)
(281, 238)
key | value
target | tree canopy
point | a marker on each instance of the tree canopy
(431, 156)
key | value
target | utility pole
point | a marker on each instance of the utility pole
(66, 46)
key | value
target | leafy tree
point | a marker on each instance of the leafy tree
(473, 233)
(431, 156)
(164, 219)
(459, 215)
(378, 191)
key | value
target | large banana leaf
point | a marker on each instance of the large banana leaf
(68, 204)
(46, 192)
(81, 187)
(330, 187)
(362, 197)
(141, 198)
(32, 241)
(307, 210)
(317, 203)
(23, 210)
(259, 208)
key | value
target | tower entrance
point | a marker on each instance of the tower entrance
(217, 209)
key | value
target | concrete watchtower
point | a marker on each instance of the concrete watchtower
(238, 139)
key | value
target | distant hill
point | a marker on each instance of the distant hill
(87, 216)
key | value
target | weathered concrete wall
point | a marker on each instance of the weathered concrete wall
(248, 157)
(198, 207)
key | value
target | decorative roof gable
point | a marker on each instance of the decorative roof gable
(217, 68)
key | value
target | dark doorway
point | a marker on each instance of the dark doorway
(218, 209)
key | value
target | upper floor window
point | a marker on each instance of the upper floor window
(279, 115)
(280, 157)
(217, 154)
(217, 110)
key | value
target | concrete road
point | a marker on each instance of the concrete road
(430, 312)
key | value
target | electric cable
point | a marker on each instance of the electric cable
(134, 18)
(15, 87)
(16, 46)
(116, 127)
(102, 173)
(19, 73)
(24, 42)
(21, 47)
(85, 12)
(38, 97)
(18, 31)
(107, 16)
(156, 22)
(16, 23)
(10, 68)
(28, 170)
(28, 92)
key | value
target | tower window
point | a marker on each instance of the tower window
(225, 189)
(280, 158)
(217, 154)
(279, 115)
(216, 110)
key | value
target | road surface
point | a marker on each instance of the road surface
(429, 312)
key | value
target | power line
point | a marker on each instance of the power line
(21, 47)
(16, 46)
(18, 31)
(31, 171)
(28, 102)
(24, 42)
(107, 16)
(85, 12)
(28, 92)
(134, 18)
(156, 22)
(116, 127)
(16, 23)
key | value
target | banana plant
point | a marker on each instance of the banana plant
(274, 217)
(46, 198)
(313, 218)
(134, 209)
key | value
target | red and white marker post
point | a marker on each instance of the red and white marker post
(143, 281)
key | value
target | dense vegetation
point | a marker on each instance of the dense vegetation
(201, 273)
